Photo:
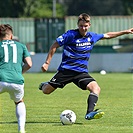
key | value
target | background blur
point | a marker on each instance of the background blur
(38, 23)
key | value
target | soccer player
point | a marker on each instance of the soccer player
(77, 45)
(14, 61)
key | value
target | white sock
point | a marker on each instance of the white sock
(21, 116)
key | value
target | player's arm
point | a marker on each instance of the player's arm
(51, 52)
(27, 64)
(110, 35)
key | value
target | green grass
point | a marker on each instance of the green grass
(43, 110)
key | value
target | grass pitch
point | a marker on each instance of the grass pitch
(43, 111)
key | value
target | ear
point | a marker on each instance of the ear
(11, 36)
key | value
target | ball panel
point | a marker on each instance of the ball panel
(67, 117)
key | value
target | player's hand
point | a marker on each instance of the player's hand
(44, 67)
(130, 31)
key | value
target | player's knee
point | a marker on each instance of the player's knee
(46, 91)
(94, 87)
(95, 90)
(98, 89)
(19, 102)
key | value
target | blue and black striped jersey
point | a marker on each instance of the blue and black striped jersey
(77, 49)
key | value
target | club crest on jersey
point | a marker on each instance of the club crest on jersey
(78, 41)
(89, 39)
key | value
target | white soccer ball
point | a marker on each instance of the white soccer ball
(67, 117)
(103, 72)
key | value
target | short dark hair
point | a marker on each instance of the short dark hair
(84, 17)
(5, 29)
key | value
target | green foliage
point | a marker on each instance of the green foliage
(44, 8)
(43, 110)
(100, 8)
(30, 8)
(12, 8)
(41, 8)
(128, 6)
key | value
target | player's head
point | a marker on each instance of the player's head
(84, 17)
(83, 23)
(6, 32)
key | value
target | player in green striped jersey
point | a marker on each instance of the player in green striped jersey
(14, 61)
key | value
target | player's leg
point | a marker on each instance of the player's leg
(21, 115)
(3, 87)
(46, 88)
(59, 80)
(94, 89)
(86, 82)
(17, 93)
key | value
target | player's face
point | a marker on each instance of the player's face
(83, 27)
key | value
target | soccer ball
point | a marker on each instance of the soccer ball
(67, 117)
(103, 72)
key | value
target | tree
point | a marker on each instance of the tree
(12, 8)
(30, 8)
(128, 7)
(99, 8)
(42, 8)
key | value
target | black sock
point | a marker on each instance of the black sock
(92, 100)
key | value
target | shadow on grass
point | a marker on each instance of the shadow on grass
(51, 122)
(35, 122)
(11, 122)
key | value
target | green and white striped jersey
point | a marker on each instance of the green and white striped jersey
(12, 55)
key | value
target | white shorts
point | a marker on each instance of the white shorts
(16, 91)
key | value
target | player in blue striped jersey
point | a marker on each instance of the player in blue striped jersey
(77, 45)
(77, 49)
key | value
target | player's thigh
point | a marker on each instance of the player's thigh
(16, 92)
(82, 80)
(3, 87)
(61, 78)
